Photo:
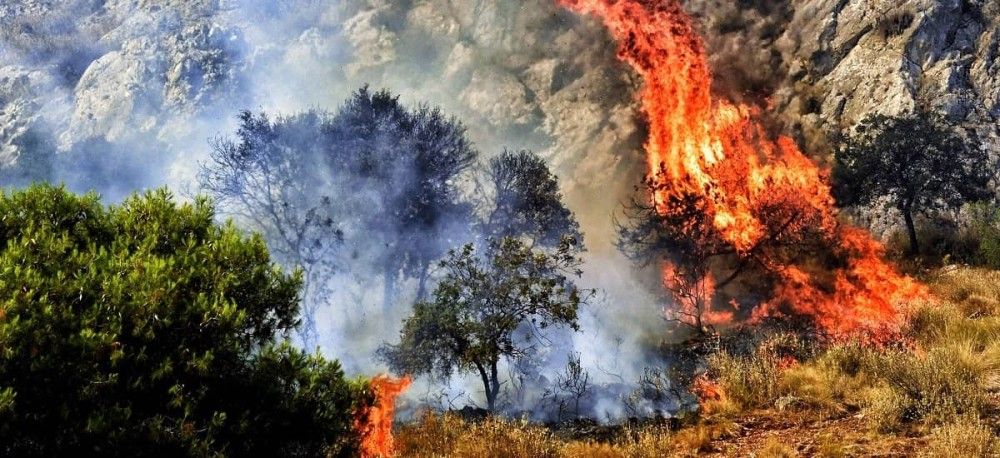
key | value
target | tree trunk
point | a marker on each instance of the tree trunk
(422, 282)
(911, 231)
(490, 399)
(495, 387)
(308, 330)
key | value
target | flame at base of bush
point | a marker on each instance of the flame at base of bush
(374, 424)
(737, 198)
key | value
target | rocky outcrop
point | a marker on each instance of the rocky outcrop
(521, 73)
(121, 71)
(831, 63)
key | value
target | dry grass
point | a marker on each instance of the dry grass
(975, 291)
(966, 437)
(934, 395)
(447, 435)
(774, 448)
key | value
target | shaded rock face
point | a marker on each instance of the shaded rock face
(831, 63)
(123, 71)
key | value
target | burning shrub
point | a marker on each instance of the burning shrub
(723, 198)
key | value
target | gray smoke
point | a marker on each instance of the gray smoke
(120, 95)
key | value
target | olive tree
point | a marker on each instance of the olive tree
(917, 164)
(470, 320)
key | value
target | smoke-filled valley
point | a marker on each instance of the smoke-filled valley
(585, 211)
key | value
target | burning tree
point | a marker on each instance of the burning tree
(724, 197)
(470, 321)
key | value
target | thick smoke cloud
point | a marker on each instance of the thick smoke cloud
(120, 95)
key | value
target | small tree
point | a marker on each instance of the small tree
(146, 329)
(267, 179)
(469, 323)
(916, 164)
(574, 382)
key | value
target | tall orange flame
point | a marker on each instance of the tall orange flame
(716, 150)
(374, 424)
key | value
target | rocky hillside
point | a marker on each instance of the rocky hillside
(826, 64)
(160, 77)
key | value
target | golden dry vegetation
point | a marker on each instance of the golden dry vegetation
(936, 396)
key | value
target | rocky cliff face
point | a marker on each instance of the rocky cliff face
(826, 64)
(522, 74)
(165, 75)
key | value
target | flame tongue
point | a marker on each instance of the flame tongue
(753, 188)
(375, 423)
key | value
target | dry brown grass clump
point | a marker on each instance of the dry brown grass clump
(975, 291)
(440, 435)
(773, 448)
(966, 437)
(447, 435)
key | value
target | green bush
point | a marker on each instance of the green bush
(146, 329)
(985, 228)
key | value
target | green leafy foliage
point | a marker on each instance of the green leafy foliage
(147, 329)
(985, 229)
(481, 302)
(916, 164)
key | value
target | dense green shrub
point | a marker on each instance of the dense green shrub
(146, 329)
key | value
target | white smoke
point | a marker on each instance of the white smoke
(121, 95)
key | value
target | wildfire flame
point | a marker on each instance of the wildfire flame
(753, 188)
(374, 423)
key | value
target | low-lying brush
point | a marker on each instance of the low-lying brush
(964, 437)
(933, 387)
(436, 435)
